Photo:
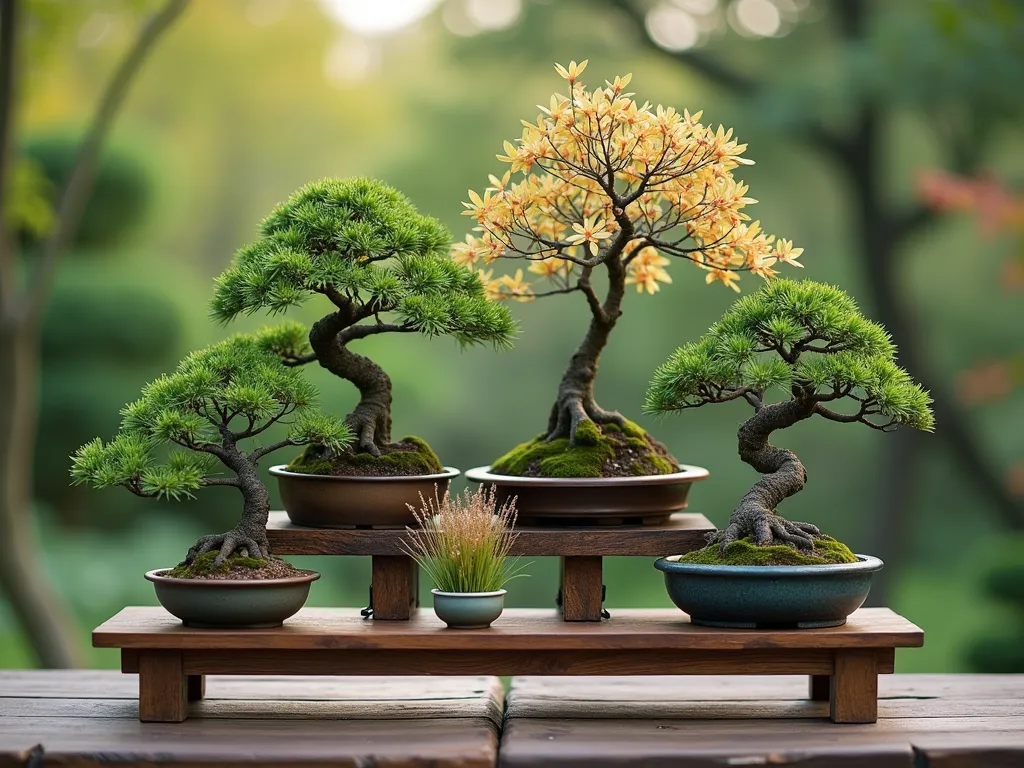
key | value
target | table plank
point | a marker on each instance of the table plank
(516, 630)
(683, 532)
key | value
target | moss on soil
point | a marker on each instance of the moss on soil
(599, 452)
(826, 551)
(235, 566)
(410, 456)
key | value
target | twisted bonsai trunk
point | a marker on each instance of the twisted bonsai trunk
(370, 420)
(784, 476)
(249, 536)
(575, 402)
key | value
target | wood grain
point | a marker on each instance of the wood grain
(582, 588)
(854, 690)
(163, 694)
(517, 629)
(395, 583)
(682, 533)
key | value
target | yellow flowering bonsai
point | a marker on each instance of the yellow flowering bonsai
(604, 184)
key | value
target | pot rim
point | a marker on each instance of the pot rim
(688, 472)
(157, 577)
(280, 470)
(497, 593)
(864, 564)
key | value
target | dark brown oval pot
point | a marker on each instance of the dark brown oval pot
(645, 499)
(232, 603)
(326, 501)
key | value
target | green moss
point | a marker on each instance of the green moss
(203, 566)
(605, 451)
(420, 460)
(826, 551)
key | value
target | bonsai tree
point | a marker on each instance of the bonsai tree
(615, 187)
(809, 341)
(185, 423)
(384, 268)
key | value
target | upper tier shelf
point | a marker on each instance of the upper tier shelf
(684, 532)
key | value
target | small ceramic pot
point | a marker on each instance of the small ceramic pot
(769, 596)
(232, 603)
(468, 610)
(326, 501)
(647, 499)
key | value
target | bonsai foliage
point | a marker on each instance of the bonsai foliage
(463, 543)
(609, 185)
(809, 341)
(184, 424)
(384, 269)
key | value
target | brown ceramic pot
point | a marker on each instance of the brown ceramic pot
(323, 501)
(644, 499)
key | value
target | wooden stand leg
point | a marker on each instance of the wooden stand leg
(195, 686)
(162, 687)
(854, 696)
(582, 588)
(819, 687)
(395, 581)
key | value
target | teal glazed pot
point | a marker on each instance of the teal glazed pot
(769, 596)
(231, 603)
(468, 610)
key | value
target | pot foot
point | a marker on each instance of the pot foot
(199, 625)
(767, 624)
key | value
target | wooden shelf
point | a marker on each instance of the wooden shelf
(683, 532)
(172, 659)
(395, 578)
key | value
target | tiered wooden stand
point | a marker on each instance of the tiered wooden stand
(842, 663)
(395, 579)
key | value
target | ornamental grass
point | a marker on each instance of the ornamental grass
(463, 542)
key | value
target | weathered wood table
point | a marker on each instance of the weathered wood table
(395, 577)
(91, 719)
(842, 663)
(924, 721)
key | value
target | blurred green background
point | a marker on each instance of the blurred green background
(844, 104)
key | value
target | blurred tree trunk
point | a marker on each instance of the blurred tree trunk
(22, 300)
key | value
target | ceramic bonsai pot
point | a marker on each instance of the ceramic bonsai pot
(772, 596)
(648, 499)
(327, 501)
(468, 610)
(232, 603)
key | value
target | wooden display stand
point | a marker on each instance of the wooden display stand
(395, 577)
(842, 663)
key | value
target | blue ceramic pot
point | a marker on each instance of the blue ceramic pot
(769, 596)
(468, 610)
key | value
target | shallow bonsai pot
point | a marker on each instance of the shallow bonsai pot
(574, 500)
(468, 610)
(326, 501)
(769, 596)
(232, 603)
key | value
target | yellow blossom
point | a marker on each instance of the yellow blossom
(573, 72)
(515, 287)
(589, 232)
(785, 252)
(723, 276)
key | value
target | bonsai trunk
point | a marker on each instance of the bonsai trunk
(784, 476)
(370, 420)
(575, 401)
(250, 535)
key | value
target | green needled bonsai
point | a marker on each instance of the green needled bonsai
(219, 397)
(385, 269)
(810, 341)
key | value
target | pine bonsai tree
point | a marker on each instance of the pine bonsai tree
(217, 398)
(810, 341)
(614, 187)
(363, 246)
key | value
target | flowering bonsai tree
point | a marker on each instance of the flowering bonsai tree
(615, 187)
(185, 423)
(384, 268)
(809, 341)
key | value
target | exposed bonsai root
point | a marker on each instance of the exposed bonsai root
(764, 528)
(572, 410)
(235, 541)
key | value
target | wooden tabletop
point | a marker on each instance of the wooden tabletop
(516, 630)
(682, 533)
(91, 718)
(924, 721)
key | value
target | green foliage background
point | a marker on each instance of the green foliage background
(235, 112)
